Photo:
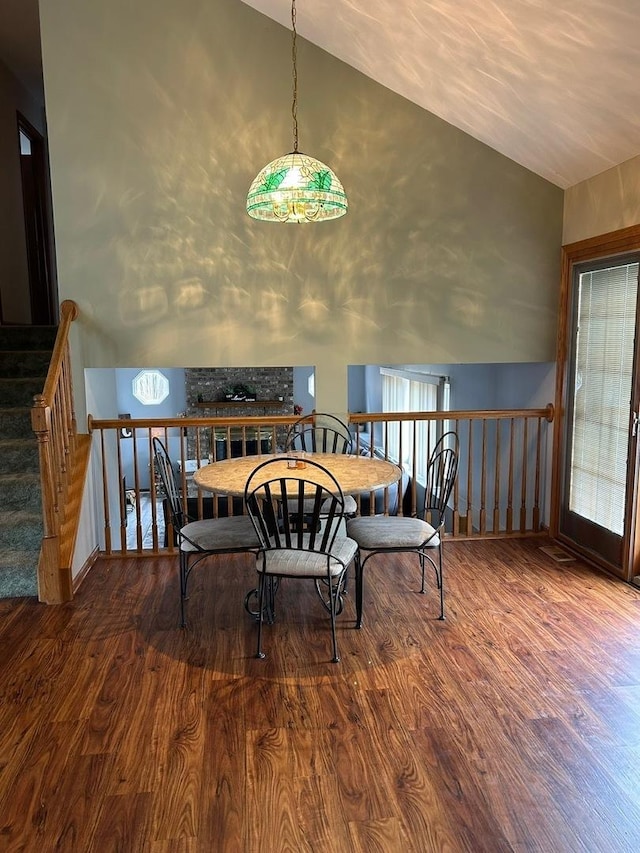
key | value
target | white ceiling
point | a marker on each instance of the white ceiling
(552, 84)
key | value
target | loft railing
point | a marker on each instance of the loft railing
(503, 463)
(133, 508)
(499, 492)
(54, 423)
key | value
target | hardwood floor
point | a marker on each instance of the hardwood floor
(512, 726)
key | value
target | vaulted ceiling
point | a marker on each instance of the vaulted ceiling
(552, 85)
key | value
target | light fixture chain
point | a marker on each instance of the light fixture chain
(296, 187)
(294, 65)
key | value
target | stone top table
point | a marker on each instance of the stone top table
(355, 474)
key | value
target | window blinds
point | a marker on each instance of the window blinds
(603, 375)
(404, 391)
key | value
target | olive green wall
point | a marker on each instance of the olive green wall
(608, 202)
(161, 113)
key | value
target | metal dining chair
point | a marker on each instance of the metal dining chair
(297, 517)
(421, 535)
(199, 539)
(319, 433)
(322, 433)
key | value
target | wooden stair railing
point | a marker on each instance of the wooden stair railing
(63, 459)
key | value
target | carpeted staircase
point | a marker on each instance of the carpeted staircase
(25, 353)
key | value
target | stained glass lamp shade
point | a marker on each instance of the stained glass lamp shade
(296, 188)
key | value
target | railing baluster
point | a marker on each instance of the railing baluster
(510, 480)
(152, 493)
(456, 495)
(483, 482)
(496, 482)
(137, 486)
(525, 457)
(121, 497)
(536, 497)
(59, 445)
(470, 480)
(105, 495)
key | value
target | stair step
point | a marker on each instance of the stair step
(20, 491)
(18, 573)
(19, 455)
(23, 363)
(25, 354)
(20, 530)
(27, 337)
(15, 422)
(20, 392)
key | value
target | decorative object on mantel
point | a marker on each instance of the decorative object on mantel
(296, 187)
(297, 409)
(239, 392)
(224, 404)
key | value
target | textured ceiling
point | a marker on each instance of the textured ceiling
(552, 84)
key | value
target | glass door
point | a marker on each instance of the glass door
(599, 467)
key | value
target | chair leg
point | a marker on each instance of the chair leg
(261, 586)
(441, 582)
(333, 595)
(183, 567)
(359, 589)
(272, 588)
(422, 561)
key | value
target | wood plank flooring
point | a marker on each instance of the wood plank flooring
(514, 725)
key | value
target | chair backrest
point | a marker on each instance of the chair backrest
(301, 509)
(319, 433)
(163, 466)
(441, 476)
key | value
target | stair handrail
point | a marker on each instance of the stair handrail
(53, 421)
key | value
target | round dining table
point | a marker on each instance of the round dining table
(355, 474)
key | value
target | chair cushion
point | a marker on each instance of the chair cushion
(350, 506)
(372, 532)
(299, 563)
(220, 534)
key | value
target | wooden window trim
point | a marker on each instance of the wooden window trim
(611, 244)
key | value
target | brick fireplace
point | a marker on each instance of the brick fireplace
(206, 388)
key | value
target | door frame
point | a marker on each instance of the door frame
(38, 224)
(612, 244)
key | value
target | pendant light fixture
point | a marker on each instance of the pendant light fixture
(296, 187)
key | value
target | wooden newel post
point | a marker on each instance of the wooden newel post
(51, 588)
